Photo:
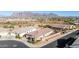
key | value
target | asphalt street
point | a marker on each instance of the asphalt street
(12, 44)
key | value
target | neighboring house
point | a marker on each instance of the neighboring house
(76, 22)
(23, 31)
(62, 26)
(39, 34)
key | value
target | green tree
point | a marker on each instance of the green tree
(18, 36)
(69, 21)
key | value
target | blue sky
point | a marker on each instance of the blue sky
(5, 13)
(61, 13)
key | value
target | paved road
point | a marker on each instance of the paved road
(12, 44)
(51, 45)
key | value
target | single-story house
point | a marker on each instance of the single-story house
(61, 26)
(39, 34)
(23, 31)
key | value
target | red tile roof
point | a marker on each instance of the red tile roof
(40, 32)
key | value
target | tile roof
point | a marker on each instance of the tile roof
(40, 32)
